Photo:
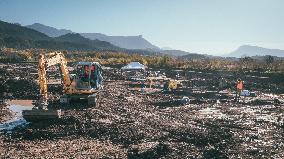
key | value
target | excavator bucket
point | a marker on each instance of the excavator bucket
(41, 114)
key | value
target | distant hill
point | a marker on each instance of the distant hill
(128, 42)
(189, 56)
(186, 55)
(49, 31)
(193, 56)
(174, 52)
(17, 31)
(16, 36)
(247, 50)
(91, 44)
(73, 37)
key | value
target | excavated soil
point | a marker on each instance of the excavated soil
(129, 124)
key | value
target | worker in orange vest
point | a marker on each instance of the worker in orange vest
(240, 87)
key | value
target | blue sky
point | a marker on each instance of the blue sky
(203, 26)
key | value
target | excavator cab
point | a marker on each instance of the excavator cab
(89, 75)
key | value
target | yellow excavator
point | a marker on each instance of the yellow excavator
(171, 85)
(82, 85)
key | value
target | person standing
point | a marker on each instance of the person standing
(240, 87)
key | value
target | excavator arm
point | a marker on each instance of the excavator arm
(51, 59)
(42, 82)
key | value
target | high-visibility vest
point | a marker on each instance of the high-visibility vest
(240, 85)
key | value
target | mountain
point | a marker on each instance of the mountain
(191, 56)
(15, 36)
(91, 44)
(128, 42)
(174, 52)
(8, 30)
(49, 31)
(248, 50)
(184, 55)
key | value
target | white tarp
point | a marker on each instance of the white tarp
(134, 66)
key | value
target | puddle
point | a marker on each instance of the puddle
(17, 119)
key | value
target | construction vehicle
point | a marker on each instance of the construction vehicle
(82, 85)
(171, 85)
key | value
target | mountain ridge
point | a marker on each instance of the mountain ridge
(15, 30)
(13, 35)
(48, 30)
(249, 50)
(175, 52)
(79, 39)
(16, 36)
(127, 42)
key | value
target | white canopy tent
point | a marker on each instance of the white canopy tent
(134, 66)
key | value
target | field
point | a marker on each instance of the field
(135, 124)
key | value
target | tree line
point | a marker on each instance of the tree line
(266, 63)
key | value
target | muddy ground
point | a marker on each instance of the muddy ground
(5, 113)
(127, 124)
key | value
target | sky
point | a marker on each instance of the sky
(201, 26)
